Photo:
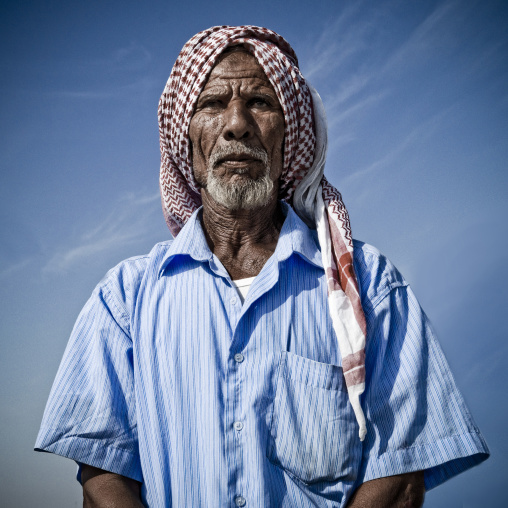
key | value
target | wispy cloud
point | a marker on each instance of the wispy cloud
(129, 221)
(135, 56)
(418, 134)
(341, 67)
(138, 85)
(14, 268)
(425, 38)
(491, 61)
(339, 42)
(354, 78)
(85, 94)
(125, 70)
(339, 113)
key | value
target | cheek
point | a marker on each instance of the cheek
(203, 135)
(278, 148)
(275, 128)
(195, 137)
(203, 138)
(197, 156)
(275, 135)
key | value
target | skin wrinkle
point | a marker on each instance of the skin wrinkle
(238, 105)
(243, 239)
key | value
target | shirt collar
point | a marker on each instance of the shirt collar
(295, 236)
(190, 241)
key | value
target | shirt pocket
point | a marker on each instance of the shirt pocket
(313, 431)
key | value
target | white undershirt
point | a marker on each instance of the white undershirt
(242, 286)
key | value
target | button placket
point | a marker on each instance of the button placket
(235, 309)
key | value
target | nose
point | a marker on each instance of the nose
(237, 122)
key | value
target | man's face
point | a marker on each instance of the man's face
(237, 134)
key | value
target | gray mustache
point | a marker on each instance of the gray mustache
(237, 148)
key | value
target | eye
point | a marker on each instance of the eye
(260, 102)
(212, 104)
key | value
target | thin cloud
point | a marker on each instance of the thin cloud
(130, 67)
(339, 115)
(140, 86)
(14, 268)
(417, 134)
(491, 60)
(341, 67)
(364, 82)
(88, 94)
(129, 221)
(425, 37)
(348, 89)
(339, 42)
(132, 57)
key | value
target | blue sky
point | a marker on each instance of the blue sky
(417, 99)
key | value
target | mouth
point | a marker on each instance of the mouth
(235, 158)
(238, 162)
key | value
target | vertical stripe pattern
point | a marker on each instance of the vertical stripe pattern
(169, 379)
(180, 192)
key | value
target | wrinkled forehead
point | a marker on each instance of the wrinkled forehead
(237, 48)
(238, 67)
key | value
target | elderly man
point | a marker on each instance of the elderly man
(261, 358)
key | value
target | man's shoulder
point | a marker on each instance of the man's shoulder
(376, 274)
(128, 274)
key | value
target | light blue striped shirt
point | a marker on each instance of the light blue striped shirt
(170, 380)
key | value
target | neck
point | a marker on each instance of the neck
(242, 239)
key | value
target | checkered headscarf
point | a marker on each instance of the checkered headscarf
(301, 185)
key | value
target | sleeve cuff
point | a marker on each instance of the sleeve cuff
(95, 454)
(441, 460)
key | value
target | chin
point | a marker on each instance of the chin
(245, 193)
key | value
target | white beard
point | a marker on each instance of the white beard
(246, 194)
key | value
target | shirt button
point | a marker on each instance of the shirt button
(238, 426)
(234, 300)
(239, 358)
(240, 501)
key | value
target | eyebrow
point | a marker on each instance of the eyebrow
(214, 89)
(218, 90)
(207, 95)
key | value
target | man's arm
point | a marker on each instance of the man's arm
(103, 489)
(401, 491)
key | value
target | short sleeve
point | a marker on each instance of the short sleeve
(417, 418)
(90, 416)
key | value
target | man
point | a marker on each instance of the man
(262, 358)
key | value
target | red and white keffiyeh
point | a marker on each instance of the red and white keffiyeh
(302, 184)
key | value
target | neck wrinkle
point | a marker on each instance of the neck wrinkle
(230, 231)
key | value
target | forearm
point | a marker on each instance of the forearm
(102, 489)
(401, 491)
